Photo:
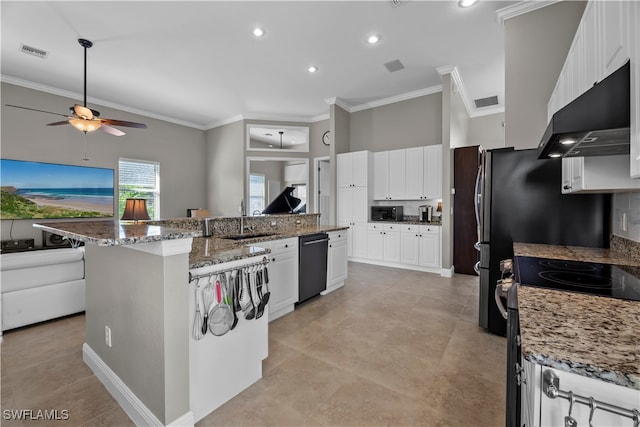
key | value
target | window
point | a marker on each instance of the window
(139, 179)
(300, 191)
(256, 194)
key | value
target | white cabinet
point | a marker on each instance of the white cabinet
(352, 205)
(429, 246)
(634, 50)
(352, 169)
(356, 239)
(597, 174)
(383, 242)
(408, 174)
(336, 260)
(389, 175)
(530, 393)
(410, 244)
(375, 242)
(283, 276)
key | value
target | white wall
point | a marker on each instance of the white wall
(180, 150)
(487, 131)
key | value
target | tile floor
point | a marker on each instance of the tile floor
(393, 347)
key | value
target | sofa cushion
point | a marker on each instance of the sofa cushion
(39, 258)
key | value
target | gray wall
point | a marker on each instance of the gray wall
(180, 150)
(148, 321)
(405, 124)
(536, 45)
(487, 131)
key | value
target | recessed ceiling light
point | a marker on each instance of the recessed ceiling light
(312, 69)
(555, 155)
(373, 39)
(568, 141)
(258, 32)
(467, 3)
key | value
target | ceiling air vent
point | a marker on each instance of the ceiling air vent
(394, 65)
(33, 51)
(486, 102)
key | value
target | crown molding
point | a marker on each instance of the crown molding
(339, 102)
(455, 75)
(75, 95)
(397, 98)
(319, 118)
(227, 121)
(521, 8)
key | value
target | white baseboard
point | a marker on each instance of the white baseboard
(134, 408)
(448, 272)
(332, 287)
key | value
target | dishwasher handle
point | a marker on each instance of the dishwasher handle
(313, 242)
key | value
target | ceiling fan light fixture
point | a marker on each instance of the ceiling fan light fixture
(85, 125)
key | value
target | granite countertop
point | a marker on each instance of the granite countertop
(574, 253)
(589, 335)
(217, 250)
(112, 233)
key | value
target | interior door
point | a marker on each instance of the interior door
(323, 191)
(465, 168)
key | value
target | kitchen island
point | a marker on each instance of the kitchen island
(590, 342)
(140, 314)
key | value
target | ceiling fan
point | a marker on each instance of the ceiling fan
(86, 119)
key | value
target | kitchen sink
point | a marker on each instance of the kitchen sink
(248, 236)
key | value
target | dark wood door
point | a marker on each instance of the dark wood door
(465, 169)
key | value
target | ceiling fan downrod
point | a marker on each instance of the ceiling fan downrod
(85, 44)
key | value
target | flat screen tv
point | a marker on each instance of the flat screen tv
(47, 190)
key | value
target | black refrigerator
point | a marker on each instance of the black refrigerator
(519, 199)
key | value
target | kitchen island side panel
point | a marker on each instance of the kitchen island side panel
(142, 298)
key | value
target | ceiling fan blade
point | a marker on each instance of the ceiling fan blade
(65, 122)
(114, 122)
(111, 130)
(83, 112)
(34, 109)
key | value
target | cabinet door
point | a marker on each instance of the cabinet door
(593, 71)
(397, 187)
(345, 206)
(414, 173)
(349, 232)
(359, 237)
(359, 207)
(430, 250)
(375, 245)
(433, 172)
(283, 280)
(566, 175)
(391, 246)
(410, 247)
(577, 174)
(337, 261)
(381, 175)
(360, 168)
(344, 170)
(614, 44)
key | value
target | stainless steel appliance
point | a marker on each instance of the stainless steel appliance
(518, 199)
(387, 213)
(426, 213)
(615, 281)
(312, 265)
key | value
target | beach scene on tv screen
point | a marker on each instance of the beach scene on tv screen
(47, 190)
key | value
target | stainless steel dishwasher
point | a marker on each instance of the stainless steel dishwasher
(312, 265)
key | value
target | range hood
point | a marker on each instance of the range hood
(594, 124)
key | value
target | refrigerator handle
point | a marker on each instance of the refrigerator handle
(476, 267)
(477, 198)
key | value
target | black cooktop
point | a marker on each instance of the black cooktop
(586, 277)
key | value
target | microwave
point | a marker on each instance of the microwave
(386, 213)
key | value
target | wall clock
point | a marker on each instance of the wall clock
(325, 138)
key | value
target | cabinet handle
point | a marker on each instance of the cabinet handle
(417, 235)
(273, 259)
(330, 246)
(567, 187)
(286, 246)
(339, 235)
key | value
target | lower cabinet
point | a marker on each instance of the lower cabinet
(336, 260)
(283, 276)
(383, 242)
(404, 244)
(356, 239)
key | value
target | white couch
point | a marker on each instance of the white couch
(41, 285)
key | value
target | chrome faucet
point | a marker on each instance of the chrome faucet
(242, 214)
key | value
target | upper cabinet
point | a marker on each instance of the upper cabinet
(408, 174)
(352, 169)
(607, 37)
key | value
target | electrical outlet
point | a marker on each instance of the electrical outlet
(298, 221)
(273, 223)
(107, 336)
